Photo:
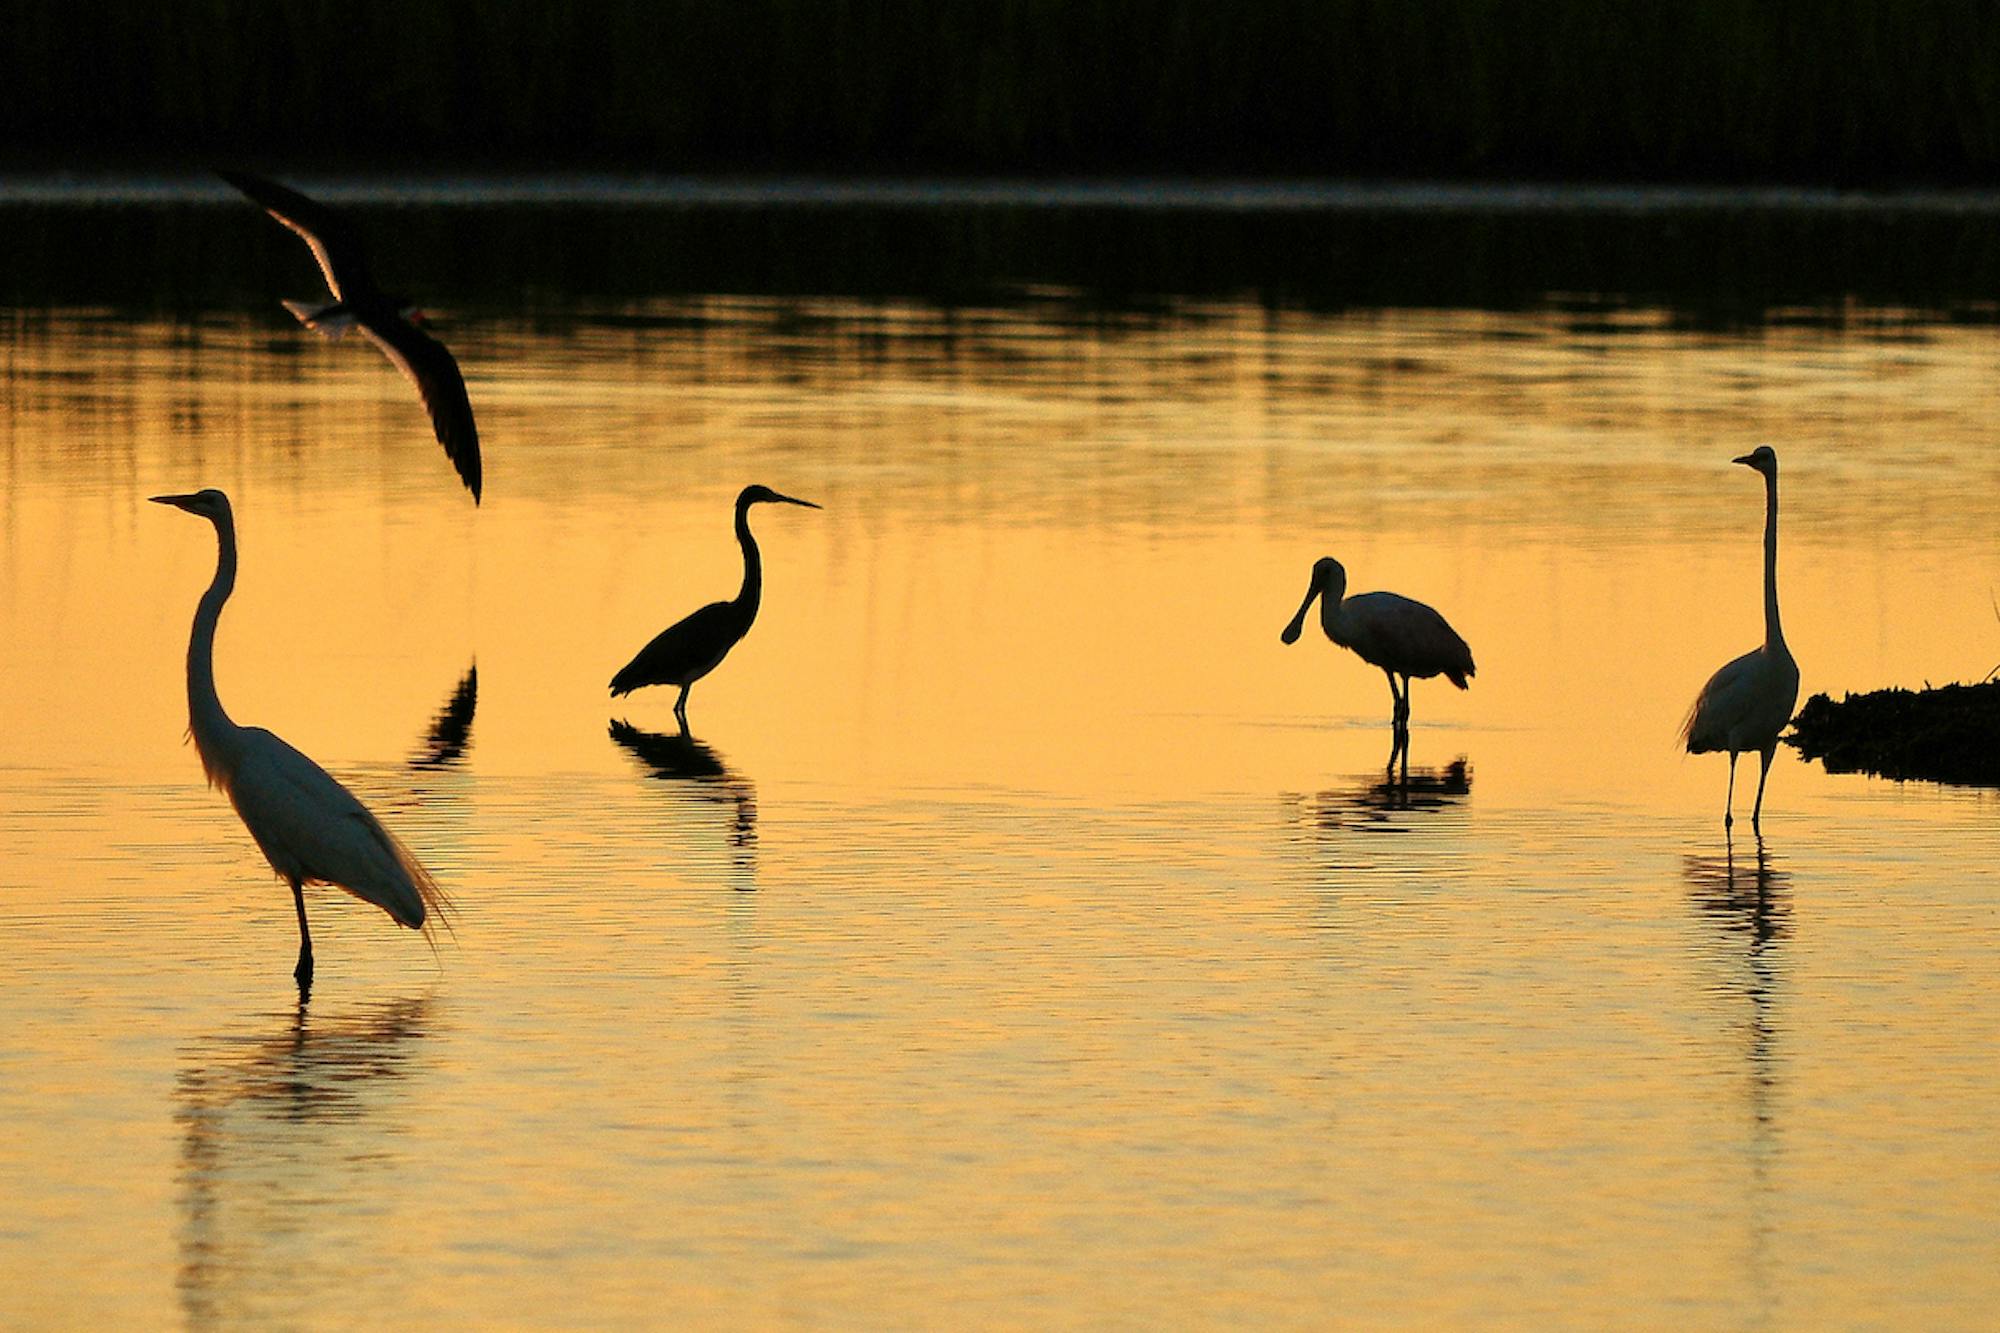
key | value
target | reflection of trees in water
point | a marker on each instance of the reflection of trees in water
(1746, 904)
(287, 1142)
(699, 777)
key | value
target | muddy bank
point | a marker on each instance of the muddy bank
(1947, 734)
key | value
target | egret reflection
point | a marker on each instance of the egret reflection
(450, 733)
(1744, 902)
(289, 1142)
(696, 769)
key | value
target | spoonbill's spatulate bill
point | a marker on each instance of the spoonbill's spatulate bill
(1746, 704)
(309, 827)
(384, 319)
(684, 652)
(1402, 637)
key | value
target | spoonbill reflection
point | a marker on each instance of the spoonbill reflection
(1746, 704)
(1402, 637)
(309, 827)
(390, 322)
(684, 652)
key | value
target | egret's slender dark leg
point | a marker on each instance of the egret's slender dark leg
(303, 973)
(681, 708)
(1729, 801)
(1406, 703)
(1757, 811)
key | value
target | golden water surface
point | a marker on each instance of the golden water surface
(1026, 935)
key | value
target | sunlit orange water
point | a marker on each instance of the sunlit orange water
(1031, 939)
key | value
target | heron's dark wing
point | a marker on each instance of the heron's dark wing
(686, 650)
(332, 240)
(435, 373)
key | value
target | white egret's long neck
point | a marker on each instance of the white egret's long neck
(753, 563)
(1774, 635)
(205, 716)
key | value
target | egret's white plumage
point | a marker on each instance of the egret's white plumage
(310, 828)
(1748, 702)
(1403, 637)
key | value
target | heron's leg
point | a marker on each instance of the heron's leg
(681, 708)
(1406, 703)
(1395, 702)
(303, 973)
(1764, 772)
(1729, 800)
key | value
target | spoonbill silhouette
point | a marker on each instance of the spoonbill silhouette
(1403, 637)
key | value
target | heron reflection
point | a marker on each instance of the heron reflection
(450, 733)
(288, 1144)
(699, 771)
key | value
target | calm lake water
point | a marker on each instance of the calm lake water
(1027, 936)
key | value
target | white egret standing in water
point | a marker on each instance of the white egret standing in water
(1403, 637)
(689, 649)
(1746, 704)
(309, 827)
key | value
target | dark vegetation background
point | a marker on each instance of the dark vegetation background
(1843, 92)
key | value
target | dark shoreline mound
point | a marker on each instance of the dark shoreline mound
(1949, 733)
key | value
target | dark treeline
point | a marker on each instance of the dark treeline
(1827, 91)
(1709, 268)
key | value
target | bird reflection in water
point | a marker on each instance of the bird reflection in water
(699, 771)
(444, 745)
(288, 1143)
(1373, 802)
(1746, 904)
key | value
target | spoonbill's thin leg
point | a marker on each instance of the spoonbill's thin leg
(1764, 772)
(681, 707)
(303, 973)
(1729, 801)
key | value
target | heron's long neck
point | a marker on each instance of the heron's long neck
(1774, 636)
(753, 564)
(205, 716)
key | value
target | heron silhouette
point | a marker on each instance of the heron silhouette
(390, 322)
(310, 828)
(1402, 637)
(689, 649)
(1748, 702)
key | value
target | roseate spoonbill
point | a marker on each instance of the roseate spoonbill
(1403, 637)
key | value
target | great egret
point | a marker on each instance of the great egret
(1402, 637)
(385, 319)
(684, 652)
(309, 827)
(1746, 704)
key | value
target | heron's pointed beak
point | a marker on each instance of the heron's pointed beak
(1290, 634)
(1745, 460)
(177, 501)
(790, 501)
